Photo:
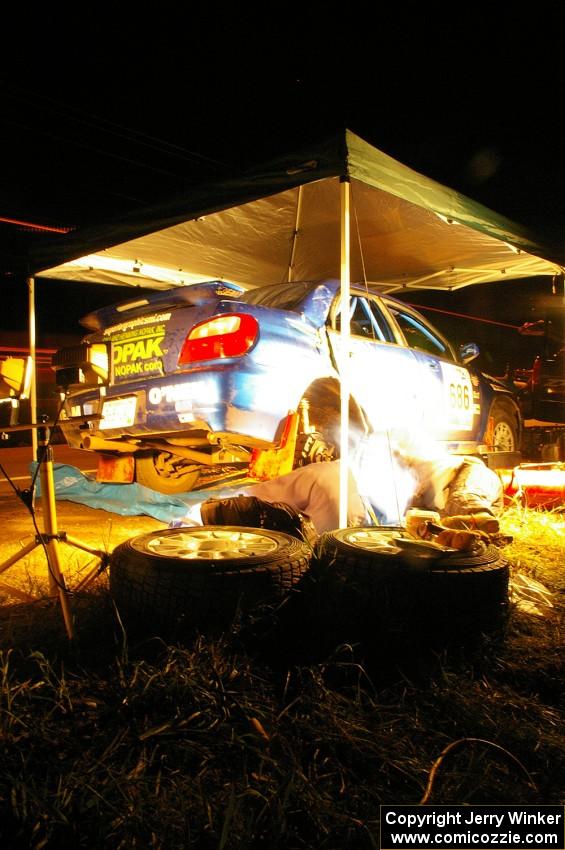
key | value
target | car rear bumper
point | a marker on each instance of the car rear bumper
(223, 401)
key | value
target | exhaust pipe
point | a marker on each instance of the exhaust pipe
(97, 444)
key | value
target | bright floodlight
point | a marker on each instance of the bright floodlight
(15, 378)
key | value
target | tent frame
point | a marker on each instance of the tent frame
(491, 245)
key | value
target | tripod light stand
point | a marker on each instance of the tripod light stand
(51, 538)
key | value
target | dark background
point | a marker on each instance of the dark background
(100, 116)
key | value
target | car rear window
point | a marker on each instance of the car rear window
(287, 297)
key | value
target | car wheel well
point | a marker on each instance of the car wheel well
(324, 401)
(507, 406)
(505, 411)
(318, 438)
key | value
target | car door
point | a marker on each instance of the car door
(384, 374)
(450, 403)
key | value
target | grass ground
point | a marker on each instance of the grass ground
(119, 740)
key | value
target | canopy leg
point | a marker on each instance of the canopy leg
(345, 346)
(32, 354)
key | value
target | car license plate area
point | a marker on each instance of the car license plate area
(118, 413)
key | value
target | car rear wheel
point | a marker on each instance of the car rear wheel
(166, 473)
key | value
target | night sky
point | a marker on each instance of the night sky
(99, 118)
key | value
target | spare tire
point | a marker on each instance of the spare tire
(380, 589)
(199, 578)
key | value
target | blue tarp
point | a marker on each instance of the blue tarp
(124, 499)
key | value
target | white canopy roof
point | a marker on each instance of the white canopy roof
(282, 221)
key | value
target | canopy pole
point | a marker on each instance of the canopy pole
(345, 265)
(32, 354)
(295, 234)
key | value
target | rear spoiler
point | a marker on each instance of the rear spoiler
(192, 295)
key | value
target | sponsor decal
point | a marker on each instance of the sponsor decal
(169, 394)
(138, 351)
(127, 370)
(178, 394)
(142, 321)
(184, 395)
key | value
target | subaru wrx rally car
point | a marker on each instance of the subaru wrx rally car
(194, 381)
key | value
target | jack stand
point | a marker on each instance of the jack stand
(51, 537)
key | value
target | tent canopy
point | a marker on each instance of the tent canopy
(341, 209)
(281, 222)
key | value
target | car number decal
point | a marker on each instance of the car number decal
(458, 396)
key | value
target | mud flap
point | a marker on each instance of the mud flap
(271, 463)
(115, 470)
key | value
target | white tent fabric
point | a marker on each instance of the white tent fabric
(406, 231)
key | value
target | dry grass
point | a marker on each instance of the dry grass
(538, 546)
(115, 744)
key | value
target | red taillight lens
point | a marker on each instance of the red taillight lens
(228, 335)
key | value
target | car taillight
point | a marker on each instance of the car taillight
(228, 335)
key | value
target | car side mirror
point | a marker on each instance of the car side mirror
(469, 351)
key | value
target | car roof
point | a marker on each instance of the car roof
(292, 295)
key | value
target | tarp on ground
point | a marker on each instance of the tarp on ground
(72, 485)
(281, 221)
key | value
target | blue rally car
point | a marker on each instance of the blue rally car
(197, 381)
